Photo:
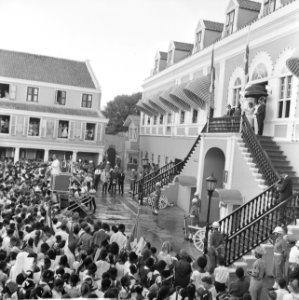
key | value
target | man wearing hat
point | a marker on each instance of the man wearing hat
(257, 274)
(279, 255)
(257, 93)
(215, 247)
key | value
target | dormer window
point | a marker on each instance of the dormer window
(198, 40)
(229, 25)
(170, 57)
(269, 6)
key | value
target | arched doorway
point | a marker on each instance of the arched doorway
(213, 164)
(111, 155)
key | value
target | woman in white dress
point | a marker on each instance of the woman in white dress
(249, 112)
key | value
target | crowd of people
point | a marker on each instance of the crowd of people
(50, 252)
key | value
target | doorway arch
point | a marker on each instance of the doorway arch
(214, 163)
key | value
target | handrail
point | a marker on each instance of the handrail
(259, 230)
(249, 211)
(259, 154)
(141, 186)
(224, 124)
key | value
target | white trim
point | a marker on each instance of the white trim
(46, 84)
(261, 57)
(94, 79)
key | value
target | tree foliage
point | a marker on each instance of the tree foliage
(118, 110)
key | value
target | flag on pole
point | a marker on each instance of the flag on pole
(212, 85)
(246, 67)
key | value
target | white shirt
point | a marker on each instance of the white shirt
(294, 255)
(120, 239)
(221, 274)
(55, 167)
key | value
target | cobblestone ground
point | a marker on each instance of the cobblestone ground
(168, 225)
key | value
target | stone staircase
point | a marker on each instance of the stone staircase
(278, 159)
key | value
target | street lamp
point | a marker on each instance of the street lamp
(211, 185)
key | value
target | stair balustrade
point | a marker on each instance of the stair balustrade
(259, 154)
(146, 185)
(224, 124)
(249, 211)
(260, 229)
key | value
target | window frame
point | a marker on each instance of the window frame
(94, 134)
(87, 101)
(68, 130)
(192, 120)
(229, 24)
(39, 127)
(182, 117)
(236, 92)
(34, 93)
(161, 121)
(64, 98)
(285, 96)
(198, 40)
(9, 124)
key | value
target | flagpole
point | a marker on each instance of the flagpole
(210, 106)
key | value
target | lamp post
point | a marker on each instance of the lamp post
(211, 185)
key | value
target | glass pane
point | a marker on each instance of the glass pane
(194, 116)
(289, 87)
(280, 107)
(4, 124)
(90, 132)
(287, 111)
(282, 85)
(161, 119)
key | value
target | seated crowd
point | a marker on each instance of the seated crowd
(47, 252)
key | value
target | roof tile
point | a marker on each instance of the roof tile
(183, 46)
(214, 26)
(250, 5)
(45, 68)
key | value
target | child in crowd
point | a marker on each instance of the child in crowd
(199, 271)
(221, 274)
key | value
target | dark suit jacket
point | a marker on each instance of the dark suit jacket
(286, 188)
(261, 112)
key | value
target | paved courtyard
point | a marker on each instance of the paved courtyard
(168, 225)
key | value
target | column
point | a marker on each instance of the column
(100, 157)
(46, 155)
(74, 156)
(16, 154)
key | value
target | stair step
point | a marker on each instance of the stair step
(273, 147)
(264, 138)
(275, 153)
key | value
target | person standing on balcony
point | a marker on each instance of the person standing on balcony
(279, 257)
(260, 115)
(257, 275)
(249, 112)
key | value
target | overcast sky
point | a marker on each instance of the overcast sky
(118, 37)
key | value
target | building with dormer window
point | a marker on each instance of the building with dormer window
(49, 105)
(181, 95)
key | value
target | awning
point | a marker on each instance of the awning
(228, 196)
(142, 108)
(147, 105)
(198, 90)
(255, 90)
(293, 64)
(153, 101)
(177, 101)
(166, 100)
(178, 95)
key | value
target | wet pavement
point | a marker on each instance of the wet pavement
(167, 226)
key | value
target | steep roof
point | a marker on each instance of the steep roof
(183, 46)
(45, 68)
(250, 5)
(163, 55)
(214, 26)
(50, 109)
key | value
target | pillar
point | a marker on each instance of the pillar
(74, 156)
(16, 154)
(46, 155)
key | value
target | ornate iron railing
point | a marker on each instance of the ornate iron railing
(249, 211)
(261, 229)
(224, 124)
(259, 154)
(164, 175)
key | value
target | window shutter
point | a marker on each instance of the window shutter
(25, 126)
(82, 133)
(72, 130)
(12, 92)
(13, 126)
(99, 133)
(55, 129)
(43, 128)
